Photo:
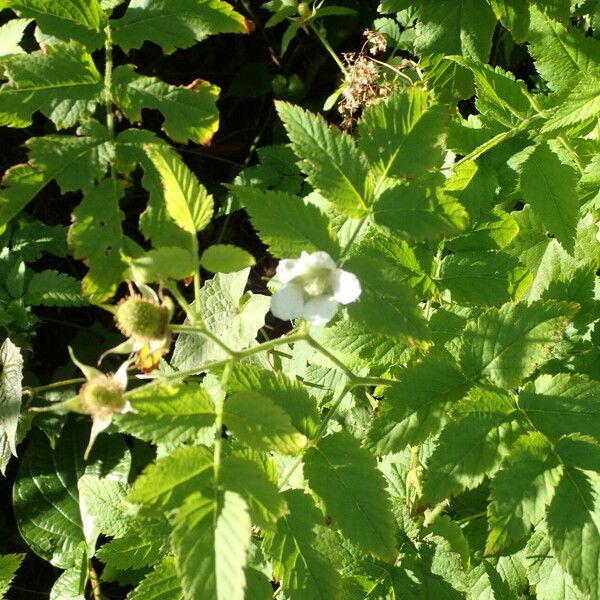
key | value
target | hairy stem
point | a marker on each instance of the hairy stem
(319, 33)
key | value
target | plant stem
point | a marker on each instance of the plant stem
(108, 102)
(219, 425)
(94, 582)
(352, 239)
(52, 386)
(318, 434)
(566, 143)
(327, 46)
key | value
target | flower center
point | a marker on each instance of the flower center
(316, 282)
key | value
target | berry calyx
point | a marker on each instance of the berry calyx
(142, 318)
(103, 394)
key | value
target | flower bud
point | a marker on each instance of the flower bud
(304, 10)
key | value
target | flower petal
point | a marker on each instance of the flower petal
(320, 310)
(346, 286)
(317, 260)
(290, 268)
(287, 302)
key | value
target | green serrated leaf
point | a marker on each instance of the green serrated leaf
(332, 162)
(11, 376)
(102, 505)
(190, 111)
(514, 15)
(574, 530)
(224, 258)
(287, 224)
(11, 34)
(549, 185)
(419, 210)
(86, 13)
(265, 504)
(166, 483)
(562, 404)
(228, 313)
(61, 82)
(72, 582)
(134, 551)
(162, 583)
(345, 476)
(45, 492)
(494, 232)
(417, 406)
(473, 185)
(500, 97)
(562, 54)
(76, 162)
(97, 238)
(464, 27)
(483, 278)
(51, 288)
(302, 569)
(521, 490)
(387, 305)
(188, 202)
(505, 345)
(579, 107)
(257, 421)
(548, 578)
(175, 23)
(9, 563)
(166, 413)
(473, 446)
(211, 543)
(402, 136)
(289, 395)
(162, 264)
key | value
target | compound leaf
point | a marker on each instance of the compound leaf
(166, 483)
(175, 23)
(167, 413)
(574, 530)
(562, 404)
(9, 563)
(505, 345)
(303, 570)
(289, 395)
(402, 136)
(417, 406)
(187, 201)
(563, 55)
(11, 376)
(332, 162)
(473, 446)
(162, 583)
(287, 224)
(346, 477)
(550, 187)
(257, 421)
(61, 82)
(521, 490)
(246, 478)
(190, 111)
(211, 541)
(464, 27)
(419, 210)
(97, 239)
(51, 288)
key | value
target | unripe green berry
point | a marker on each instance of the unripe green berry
(101, 394)
(304, 10)
(142, 318)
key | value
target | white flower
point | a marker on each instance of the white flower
(313, 287)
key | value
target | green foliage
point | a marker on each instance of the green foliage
(426, 424)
